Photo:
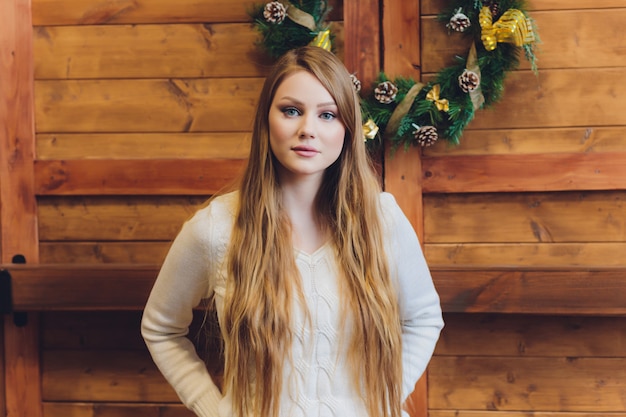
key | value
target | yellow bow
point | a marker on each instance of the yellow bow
(322, 40)
(512, 27)
(370, 130)
(433, 95)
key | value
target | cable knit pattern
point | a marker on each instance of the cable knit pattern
(317, 381)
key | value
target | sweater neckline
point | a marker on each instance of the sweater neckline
(315, 255)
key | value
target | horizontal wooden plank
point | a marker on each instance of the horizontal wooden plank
(569, 39)
(209, 145)
(518, 173)
(108, 376)
(519, 335)
(122, 252)
(103, 376)
(575, 291)
(433, 7)
(135, 177)
(549, 384)
(91, 330)
(75, 287)
(551, 99)
(168, 105)
(581, 217)
(80, 409)
(148, 51)
(104, 330)
(493, 413)
(590, 254)
(111, 218)
(209, 50)
(534, 141)
(89, 12)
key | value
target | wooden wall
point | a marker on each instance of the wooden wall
(129, 95)
(141, 109)
(539, 180)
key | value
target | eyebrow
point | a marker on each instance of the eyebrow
(329, 103)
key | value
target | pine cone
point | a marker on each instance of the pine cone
(275, 12)
(469, 81)
(495, 9)
(459, 22)
(426, 135)
(356, 83)
(385, 92)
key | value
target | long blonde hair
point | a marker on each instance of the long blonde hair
(257, 327)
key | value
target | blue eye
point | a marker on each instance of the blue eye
(291, 111)
(327, 115)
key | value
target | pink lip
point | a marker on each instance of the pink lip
(306, 151)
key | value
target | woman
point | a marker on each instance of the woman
(324, 300)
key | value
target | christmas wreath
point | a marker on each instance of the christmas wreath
(402, 110)
(412, 113)
(285, 25)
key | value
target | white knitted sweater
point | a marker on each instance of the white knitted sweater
(317, 381)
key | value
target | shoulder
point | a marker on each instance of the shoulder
(390, 210)
(220, 208)
(213, 221)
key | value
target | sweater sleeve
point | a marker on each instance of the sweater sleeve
(420, 310)
(185, 278)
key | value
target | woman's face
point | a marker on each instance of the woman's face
(306, 134)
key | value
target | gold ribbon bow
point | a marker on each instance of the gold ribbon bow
(512, 27)
(370, 129)
(433, 95)
(322, 40)
(299, 16)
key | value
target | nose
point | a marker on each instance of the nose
(307, 128)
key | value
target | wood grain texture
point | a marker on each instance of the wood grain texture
(103, 376)
(569, 39)
(148, 51)
(17, 136)
(433, 7)
(97, 252)
(173, 105)
(401, 56)
(111, 219)
(592, 254)
(80, 409)
(577, 217)
(518, 335)
(19, 388)
(110, 330)
(511, 384)
(540, 290)
(575, 291)
(135, 177)
(552, 99)
(518, 173)
(63, 287)
(209, 145)
(362, 39)
(534, 141)
(109, 376)
(93, 12)
(492, 413)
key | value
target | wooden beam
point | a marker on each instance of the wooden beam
(403, 170)
(528, 290)
(469, 289)
(135, 176)
(523, 173)
(21, 393)
(81, 287)
(362, 39)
